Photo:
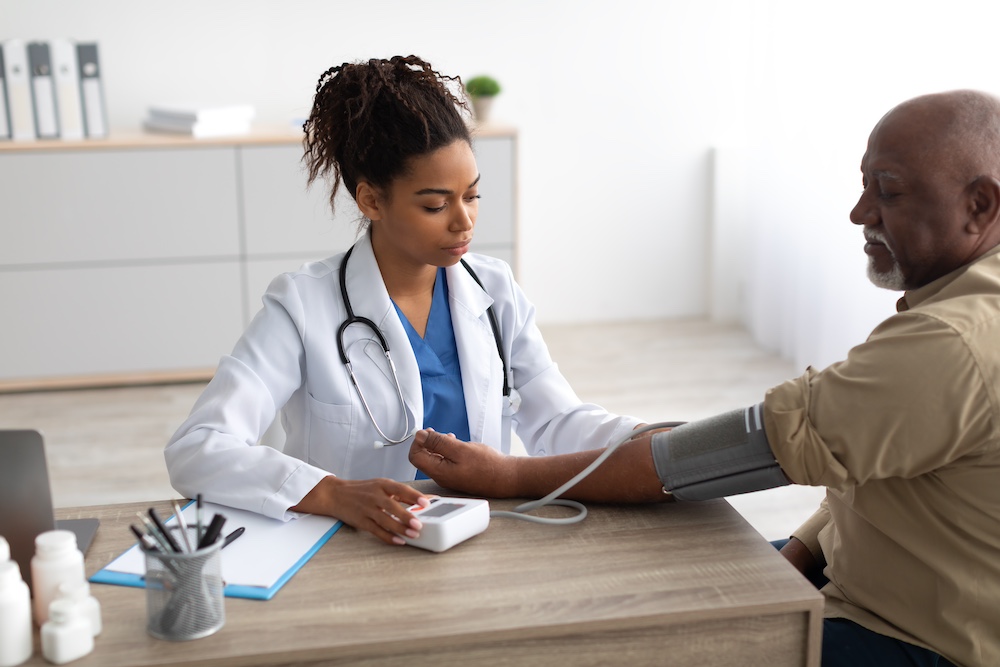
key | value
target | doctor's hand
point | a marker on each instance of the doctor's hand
(468, 467)
(377, 506)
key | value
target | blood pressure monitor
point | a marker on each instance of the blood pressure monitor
(448, 521)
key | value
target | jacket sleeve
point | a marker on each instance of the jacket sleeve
(551, 419)
(845, 425)
(215, 451)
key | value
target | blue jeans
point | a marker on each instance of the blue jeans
(847, 644)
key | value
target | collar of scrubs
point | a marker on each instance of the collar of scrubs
(440, 371)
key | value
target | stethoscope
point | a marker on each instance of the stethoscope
(511, 403)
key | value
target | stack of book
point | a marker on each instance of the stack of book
(200, 121)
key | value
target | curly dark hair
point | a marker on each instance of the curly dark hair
(370, 118)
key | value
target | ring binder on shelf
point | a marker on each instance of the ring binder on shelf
(91, 92)
(15, 61)
(43, 93)
(67, 78)
(4, 116)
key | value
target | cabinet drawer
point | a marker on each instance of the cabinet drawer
(495, 225)
(113, 206)
(93, 321)
(281, 215)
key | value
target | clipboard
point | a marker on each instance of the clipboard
(255, 566)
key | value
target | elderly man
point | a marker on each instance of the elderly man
(904, 433)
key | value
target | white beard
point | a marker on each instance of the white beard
(892, 279)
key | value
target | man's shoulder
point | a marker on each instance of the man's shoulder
(970, 304)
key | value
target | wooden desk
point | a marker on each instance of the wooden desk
(652, 585)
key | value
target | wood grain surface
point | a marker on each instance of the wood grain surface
(667, 584)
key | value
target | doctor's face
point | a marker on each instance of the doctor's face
(426, 217)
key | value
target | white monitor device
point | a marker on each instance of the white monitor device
(448, 521)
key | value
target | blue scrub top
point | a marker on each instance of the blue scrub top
(440, 372)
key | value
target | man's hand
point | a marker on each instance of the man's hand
(798, 554)
(467, 467)
(374, 505)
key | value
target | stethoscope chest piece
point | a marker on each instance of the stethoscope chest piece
(512, 403)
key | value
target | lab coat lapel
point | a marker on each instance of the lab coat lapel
(370, 299)
(482, 373)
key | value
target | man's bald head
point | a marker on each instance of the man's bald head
(959, 130)
(932, 188)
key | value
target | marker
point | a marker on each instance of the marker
(163, 530)
(231, 537)
(212, 533)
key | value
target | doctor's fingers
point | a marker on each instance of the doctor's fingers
(392, 520)
(377, 506)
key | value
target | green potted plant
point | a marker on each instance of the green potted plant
(482, 89)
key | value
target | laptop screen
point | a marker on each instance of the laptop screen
(26, 499)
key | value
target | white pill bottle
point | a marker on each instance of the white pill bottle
(15, 616)
(67, 635)
(57, 560)
(79, 593)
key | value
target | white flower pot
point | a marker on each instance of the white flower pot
(481, 108)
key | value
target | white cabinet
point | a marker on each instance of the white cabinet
(142, 259)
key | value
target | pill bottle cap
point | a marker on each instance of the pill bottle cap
(55, 542)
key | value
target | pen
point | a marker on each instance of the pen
(154, 532)
(212, 532)
(145, 541)
(179, 513)
(163, 530)
(231, 537)
(198, 532)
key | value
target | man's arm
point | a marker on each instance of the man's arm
(627, 476)
(719, 456)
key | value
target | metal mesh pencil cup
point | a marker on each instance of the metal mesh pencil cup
(184, 593)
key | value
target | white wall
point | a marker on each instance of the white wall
(619, 104)
(821, 80)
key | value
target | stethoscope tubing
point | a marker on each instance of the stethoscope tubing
(353, 319)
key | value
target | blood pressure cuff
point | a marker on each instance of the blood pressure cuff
(716, 457)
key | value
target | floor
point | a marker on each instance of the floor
(105, 445)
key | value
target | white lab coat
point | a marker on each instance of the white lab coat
(287, 360)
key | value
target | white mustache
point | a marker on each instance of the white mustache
(872, 236)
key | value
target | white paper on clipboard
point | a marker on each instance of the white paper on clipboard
(265, 556)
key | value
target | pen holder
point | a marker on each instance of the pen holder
(184, 593)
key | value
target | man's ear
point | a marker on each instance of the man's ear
(984, 205)
(369, 201)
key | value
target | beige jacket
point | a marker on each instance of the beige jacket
(905, 435)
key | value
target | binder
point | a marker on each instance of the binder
(15, 60)
(43, 90)
(95, 117)
(67, 78)
(4, 115)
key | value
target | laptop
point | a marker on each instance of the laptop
(26, 499)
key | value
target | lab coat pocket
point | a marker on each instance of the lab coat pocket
(330, 412)
(329, 435)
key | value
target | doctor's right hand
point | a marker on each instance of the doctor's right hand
(377, 506)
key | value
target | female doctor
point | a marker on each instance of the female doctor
(466, 355)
